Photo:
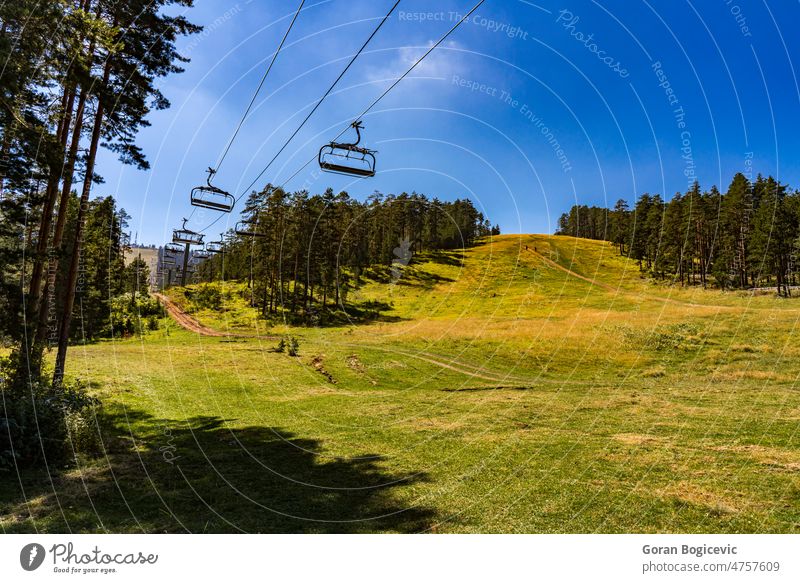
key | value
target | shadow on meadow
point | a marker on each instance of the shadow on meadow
(198, 475)
(444, 257)
(409, 276)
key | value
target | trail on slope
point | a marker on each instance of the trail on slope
(620, 291)
(560, 267)
(469, 370)
(479, 372)
(189, 323)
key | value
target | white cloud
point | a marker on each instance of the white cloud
(444, 62)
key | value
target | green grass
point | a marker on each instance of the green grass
(499, 394)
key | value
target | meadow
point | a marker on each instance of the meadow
(528, 384)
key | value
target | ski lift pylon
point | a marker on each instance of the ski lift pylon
(212, 197)
(348, 158)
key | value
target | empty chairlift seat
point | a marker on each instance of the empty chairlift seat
(214, 247)
(348, 158)
(211, 197)
(248, 229)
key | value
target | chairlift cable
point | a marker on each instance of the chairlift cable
(321, 99)
(314, 109)
(253, 99)
(378, 99)
(258, 89)
(393, 85)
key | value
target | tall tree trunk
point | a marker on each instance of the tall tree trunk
(51, 195)
(61, 220)
(72, 277)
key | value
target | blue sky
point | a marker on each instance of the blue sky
(527, 109)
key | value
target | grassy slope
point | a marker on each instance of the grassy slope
(507, 395)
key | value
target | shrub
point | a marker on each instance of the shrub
(41, 424)
(205, 297)
(134, 317)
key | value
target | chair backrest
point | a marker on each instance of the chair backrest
(333, 158)
(213, 198)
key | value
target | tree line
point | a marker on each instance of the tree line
(302, 253)
(746, 237)
(77, 75)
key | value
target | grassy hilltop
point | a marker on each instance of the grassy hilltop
(529, 384)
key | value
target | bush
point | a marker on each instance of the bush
(129, 317)
(205, 297)
(40, 424)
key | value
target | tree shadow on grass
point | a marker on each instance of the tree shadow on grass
(454, 258)
(197, 475)
(410, 275)
(346, 313)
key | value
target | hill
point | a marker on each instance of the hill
(528, 384)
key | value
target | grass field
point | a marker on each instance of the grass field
(530, 384)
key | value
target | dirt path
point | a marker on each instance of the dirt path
(189, 323)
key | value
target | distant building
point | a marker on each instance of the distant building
(150, 255)
(166, 267)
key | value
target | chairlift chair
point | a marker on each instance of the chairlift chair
(348, 158)
(201, 254)
(247, 229)
(214, 247)
(184, 235)
(211, 197)
(173, 248)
